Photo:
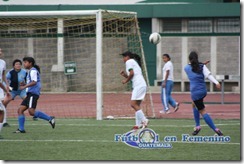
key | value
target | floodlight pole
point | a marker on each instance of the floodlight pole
(99, 54)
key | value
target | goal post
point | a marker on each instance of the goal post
(78, 52)
(99, 55)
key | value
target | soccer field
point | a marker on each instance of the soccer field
(88, 139)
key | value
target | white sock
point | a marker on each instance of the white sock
(5, 115)
(1, 126)
(141, 116)
(4, 110)
(137, 119)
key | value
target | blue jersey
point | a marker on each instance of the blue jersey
(34, 75)
(15, 78)
(197, 82)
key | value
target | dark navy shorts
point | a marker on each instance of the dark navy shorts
(30, 101)
(199, 104)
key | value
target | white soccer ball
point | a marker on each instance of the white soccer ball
(155, 38)
(110, 117)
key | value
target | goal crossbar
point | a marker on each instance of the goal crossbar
(59, 13)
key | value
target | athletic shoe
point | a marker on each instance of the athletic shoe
(19, 131)
(162, 111)
(168, 112)
(177, 106)
(219, 133)
(6, 124)
(35, 118)
(196, 130)
(145, 123)
(52, 122)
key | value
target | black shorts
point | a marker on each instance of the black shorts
(30, 101)
(199, 104)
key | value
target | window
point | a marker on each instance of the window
(172, 25)
(199, 26)
(228, 25)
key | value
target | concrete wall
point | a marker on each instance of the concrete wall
(223, 53)
(80, 50)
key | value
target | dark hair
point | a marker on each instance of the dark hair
(193, 58)
(16, 61)
(167, 55)
(133, 56)
(32, 60)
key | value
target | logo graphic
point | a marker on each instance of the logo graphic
(142, 138)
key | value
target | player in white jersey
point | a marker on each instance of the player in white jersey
(2, 90)
(3, 98)
(134, 73)
(167, 86)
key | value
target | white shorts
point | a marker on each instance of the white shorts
(139, 93)
(1, 94)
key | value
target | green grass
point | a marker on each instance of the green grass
(88, 139)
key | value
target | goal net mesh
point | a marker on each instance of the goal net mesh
(65, 49)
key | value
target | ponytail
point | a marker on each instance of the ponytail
(38, 68)
(32, 60)
(193, 58)
(137, 59)
(134, 56)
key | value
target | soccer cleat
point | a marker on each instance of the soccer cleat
(196, 130)
(35, 118)
(135, 127)
(177, 106)
(6, 124)
(52, 122)
(145, 123)
(219, 133)
(19, 131)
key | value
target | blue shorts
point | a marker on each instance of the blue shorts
(20, 93)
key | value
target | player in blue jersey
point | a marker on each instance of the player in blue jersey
(197, 72)
(16, 77)
(33, 88)
(134, 73)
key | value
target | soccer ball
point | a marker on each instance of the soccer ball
(154, 38)
(110, 117)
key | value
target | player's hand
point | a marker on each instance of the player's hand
(8, 95)
(206, 62)
(22, 83)
(163, 85)
(122, 73)
(124, 81)
(218, 86)
(22, 87)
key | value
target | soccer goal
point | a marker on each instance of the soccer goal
(78, 52)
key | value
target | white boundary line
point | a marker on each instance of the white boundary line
(122, 125)
(110, 141)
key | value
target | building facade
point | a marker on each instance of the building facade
(211, 27)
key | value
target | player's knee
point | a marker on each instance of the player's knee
(31, 112)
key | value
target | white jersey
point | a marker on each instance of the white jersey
(168, 66)
(137, 79)
(2, 68)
